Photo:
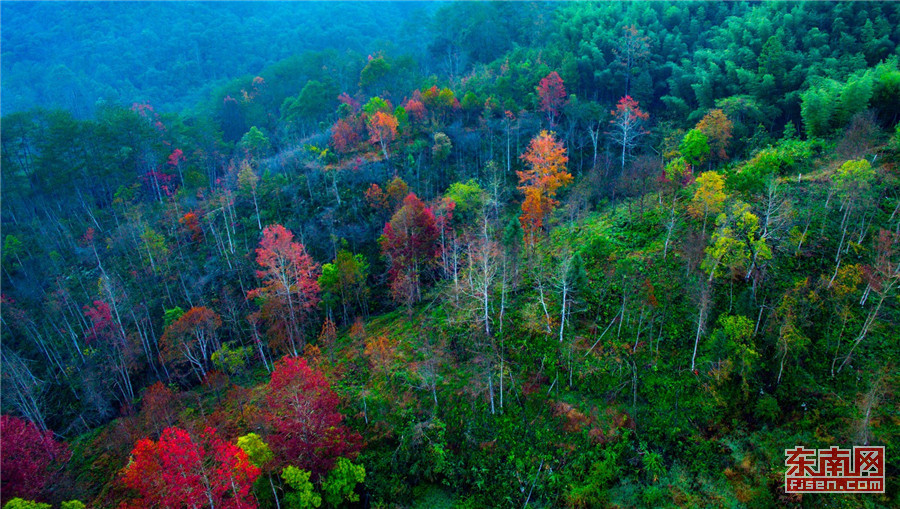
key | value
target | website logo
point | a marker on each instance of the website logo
(834, 470)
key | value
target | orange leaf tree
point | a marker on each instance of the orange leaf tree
(382, 130)
(546, 159)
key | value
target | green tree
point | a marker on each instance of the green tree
(255, 143)
(258, 452)
(469, 198)
(303, 494)
(314, 102)
(817, 108)
(854, 97)
(442, 147)
(732, 342)
(343, 283)
(230, 360)
(341, 482)
(694, 147)
(247, 184)
(18, 503)
(736, 243)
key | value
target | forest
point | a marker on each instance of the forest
(451, 254)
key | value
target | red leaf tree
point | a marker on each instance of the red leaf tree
(546, 158)
(290, 285)
(553, 96)
(627, 125)
(410, 244)
(181, 471)
(159, 408)
(344, 136)
(415, 108)
(27, 454)
(303, 413)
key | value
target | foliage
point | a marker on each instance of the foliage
(303, 414)
(546, 158)
(409, 242)
(302, 495)
(258, 452)
(18, 503)
(192, 339)
(27, 455)
(710, 194)
(184, 470)
(341, 482)
(290, 285)
(230, 360)
(717, 128)
(553, 95)
(694, 147)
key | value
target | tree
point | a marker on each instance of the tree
(327, 338)
(258, 452)
(736, 243)
(382, 130)
(22, 390)
(159, 408)
(735, 246)
(247, 182)
(344, 282)
(631, 52)
(884, 279)
(440, 151)
(341, 481)
(409, 241)
(107, 336)
(733, 348)
(303, 495)
(694, 147)
(27, 455)
(627, 125)
(553, 96)
(717, 129)
(381, 352)
(853, 183)
(18, 503)
(290, 284)
(303, 414)
(709, 196)
(344, 135)
(469, 198)
(183, 471)
(260, 455)
(546, 159)
(255, 143)
(192, 339)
